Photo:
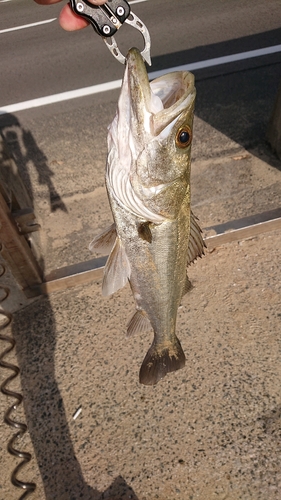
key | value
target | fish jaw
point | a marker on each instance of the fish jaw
(146, 168)
(157, 104)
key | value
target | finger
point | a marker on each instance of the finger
(69, 21)
(49, 2)
(97, 2)
(46, 2)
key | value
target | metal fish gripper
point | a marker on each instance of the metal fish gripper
(108, 18)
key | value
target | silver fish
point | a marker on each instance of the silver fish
(154, 235)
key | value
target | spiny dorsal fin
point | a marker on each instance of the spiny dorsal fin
(117, 269)
(139, 323)
(196, 243)
(104, 242)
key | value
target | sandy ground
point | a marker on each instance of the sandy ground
(211, 431)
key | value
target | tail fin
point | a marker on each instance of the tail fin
(161, 360)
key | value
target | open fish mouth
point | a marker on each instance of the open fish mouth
(158, 103)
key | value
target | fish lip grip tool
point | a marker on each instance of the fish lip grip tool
(108, 18)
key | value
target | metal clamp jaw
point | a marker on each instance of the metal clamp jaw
(108, 18)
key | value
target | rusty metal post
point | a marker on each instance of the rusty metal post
(16, 251)
(16, 214)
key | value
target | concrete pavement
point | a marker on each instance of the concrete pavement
(209, 431)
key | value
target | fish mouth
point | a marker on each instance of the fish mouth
(159, 103)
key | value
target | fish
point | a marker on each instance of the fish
(155, 235)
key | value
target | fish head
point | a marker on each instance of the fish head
(150, 139)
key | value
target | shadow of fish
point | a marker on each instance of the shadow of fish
(154, 235)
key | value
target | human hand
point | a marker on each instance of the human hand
(68, 20)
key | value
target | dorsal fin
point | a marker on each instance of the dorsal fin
(117, 269)
(196, 243)
(103, 242)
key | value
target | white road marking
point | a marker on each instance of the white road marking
(219, 60)
(63, 96)
(27, 25)
(137, 1)
(115, 84)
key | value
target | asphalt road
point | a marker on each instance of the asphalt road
(60, 148)
(43, 59)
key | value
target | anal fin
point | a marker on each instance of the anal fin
(139, 323)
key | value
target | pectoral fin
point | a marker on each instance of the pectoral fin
(196, 243)
(104, 242)
(145, 232)
(117, 269)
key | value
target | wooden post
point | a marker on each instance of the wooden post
(274, 126)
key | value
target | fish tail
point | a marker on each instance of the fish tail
(161, 360)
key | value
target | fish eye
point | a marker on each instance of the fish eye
(183, 137)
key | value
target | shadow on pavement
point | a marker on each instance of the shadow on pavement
(34, 330)
(25, 151)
